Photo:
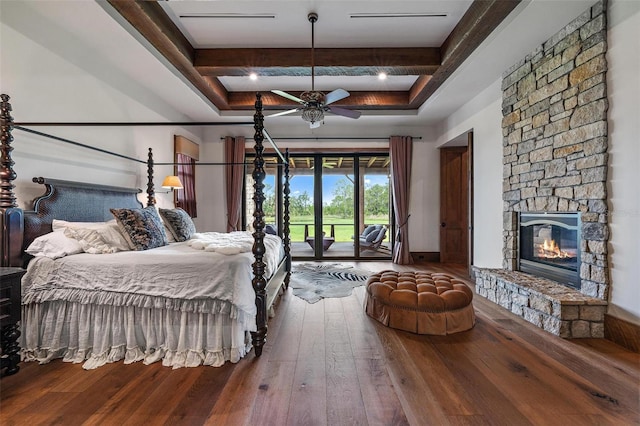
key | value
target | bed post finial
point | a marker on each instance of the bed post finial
(287, 217)
(11, 219)
(151, 194)
(259, 282)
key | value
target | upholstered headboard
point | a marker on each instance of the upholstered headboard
(74, 202)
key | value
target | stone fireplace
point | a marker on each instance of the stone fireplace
(555, 164)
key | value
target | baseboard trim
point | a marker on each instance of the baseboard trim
(622, 332)
(425, 256)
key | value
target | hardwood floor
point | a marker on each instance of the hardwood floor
(328, 363)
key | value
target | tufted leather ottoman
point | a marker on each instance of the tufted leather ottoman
(420, 302)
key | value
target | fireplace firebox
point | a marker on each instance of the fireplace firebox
(549, 246)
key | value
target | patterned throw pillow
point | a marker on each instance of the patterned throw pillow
(142, 228)
(179, 223)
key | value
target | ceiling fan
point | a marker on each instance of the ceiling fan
(326, 165)
(313, 104)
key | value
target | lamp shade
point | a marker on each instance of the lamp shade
(172, 182)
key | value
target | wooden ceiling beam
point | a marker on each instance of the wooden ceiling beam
(151, 21)
(359, 100)
(482, 17)
(328, 62)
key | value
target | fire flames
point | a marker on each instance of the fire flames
(550, 250)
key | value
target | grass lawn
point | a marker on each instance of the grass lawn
(343, 226)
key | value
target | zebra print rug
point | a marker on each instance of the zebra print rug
(315, 281)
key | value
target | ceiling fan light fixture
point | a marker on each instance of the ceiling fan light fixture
(312, 114)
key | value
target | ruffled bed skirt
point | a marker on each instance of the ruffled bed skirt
(98, 334)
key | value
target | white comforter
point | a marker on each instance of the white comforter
(174, 277)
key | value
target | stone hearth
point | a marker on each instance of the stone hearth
(557, 309)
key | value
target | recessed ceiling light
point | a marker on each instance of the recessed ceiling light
(382, 76)
(253, 76)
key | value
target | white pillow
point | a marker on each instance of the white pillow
(106, 238)
(58, 224)
(54, 245)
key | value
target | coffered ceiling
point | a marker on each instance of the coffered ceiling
(216, 45)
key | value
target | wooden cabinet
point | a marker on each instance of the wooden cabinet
(10, 294)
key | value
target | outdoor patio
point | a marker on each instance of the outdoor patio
(340, 250)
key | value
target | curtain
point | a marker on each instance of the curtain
(400, 152)
(234, 174)
(186, 171)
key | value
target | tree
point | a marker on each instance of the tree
(301, 204)
(342, 202)
(269, 204)
(376, 200)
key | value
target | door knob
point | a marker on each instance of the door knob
(443, 224)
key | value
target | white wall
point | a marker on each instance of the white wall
(483, 116)
(48, 83)
(623, 88)
(424, 202)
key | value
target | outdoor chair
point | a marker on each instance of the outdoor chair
(372, 237)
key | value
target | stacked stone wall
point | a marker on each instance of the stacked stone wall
(555, 140)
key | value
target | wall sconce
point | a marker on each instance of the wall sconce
(171, 183)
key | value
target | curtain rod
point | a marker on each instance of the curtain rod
(142, 123)
(319, 138)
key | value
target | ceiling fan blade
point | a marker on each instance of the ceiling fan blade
(334, 96)
(349, 113)
(288, 96)
(277, 114)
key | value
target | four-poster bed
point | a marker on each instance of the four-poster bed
(81, 202)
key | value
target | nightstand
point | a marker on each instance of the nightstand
(10, 296)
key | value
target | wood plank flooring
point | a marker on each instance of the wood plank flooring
(330, 364)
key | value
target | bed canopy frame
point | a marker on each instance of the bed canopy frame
(16, 237)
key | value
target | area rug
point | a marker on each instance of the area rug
(315, 281)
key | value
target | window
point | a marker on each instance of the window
(186, 154)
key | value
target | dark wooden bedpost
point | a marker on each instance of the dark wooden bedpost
(151, 193)
(259, 337)
(287, 218)
(11, 218)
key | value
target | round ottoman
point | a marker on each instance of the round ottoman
(420, 302)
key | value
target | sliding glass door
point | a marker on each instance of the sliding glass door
(374, 212)
(340, 205)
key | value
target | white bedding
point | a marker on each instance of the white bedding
(185, 306)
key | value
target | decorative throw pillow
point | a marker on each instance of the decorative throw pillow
(142, 228)
(271, 229)
(179, 223)
(371, 237)
(368, 230)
